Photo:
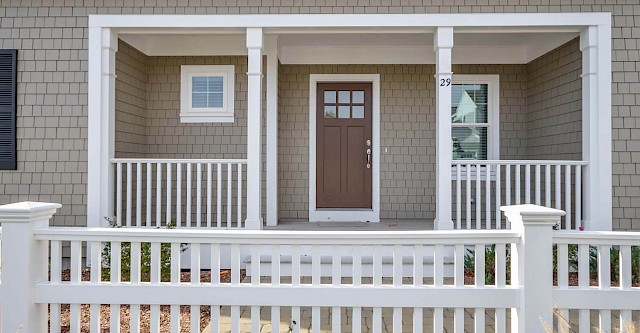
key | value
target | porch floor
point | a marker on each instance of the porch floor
(385, 225)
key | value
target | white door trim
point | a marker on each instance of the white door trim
(363, 215)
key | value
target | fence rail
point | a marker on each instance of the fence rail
(357, 281)
(179, 192)
(480, 188)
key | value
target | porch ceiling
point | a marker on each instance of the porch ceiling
(486, 47)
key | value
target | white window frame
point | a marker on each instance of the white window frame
(493, 109)
(493, 118)
(225, 114)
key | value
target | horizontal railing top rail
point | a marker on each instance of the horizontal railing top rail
(597, 237)
(521, 162)
(279, 237)
(178, 160)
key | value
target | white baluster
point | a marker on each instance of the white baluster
(219, 196)
(189, 186)
(199, 195)
(527, 184)
(229, 194)
(468, 191)
(129, 202)
(567, 196)
(169, 180)
(209, 179)
(178, 195)
(498, 197)
(119, 193)
(478, 196)
(458, 198)
(158, 194)
(138, 194)
(239, 214)
(149, 186)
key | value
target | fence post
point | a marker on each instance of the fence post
(24, 263)
(532, 265)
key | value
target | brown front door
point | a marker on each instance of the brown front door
(344, 145)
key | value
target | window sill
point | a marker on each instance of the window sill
(191, 118)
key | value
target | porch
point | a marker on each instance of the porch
(541, 133)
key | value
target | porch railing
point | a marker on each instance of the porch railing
(179, 192)
(481, 187)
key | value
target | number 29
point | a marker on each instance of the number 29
(445, 82)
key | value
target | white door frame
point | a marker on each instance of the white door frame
(345, 214)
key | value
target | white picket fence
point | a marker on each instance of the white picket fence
(480, 188)
(478, 294)
(182, 192)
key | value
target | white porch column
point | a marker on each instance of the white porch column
(272, 131)
(254, 129)
(595, 44)
(442, 44)
(103, 44)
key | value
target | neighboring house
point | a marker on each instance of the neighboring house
(238, 115)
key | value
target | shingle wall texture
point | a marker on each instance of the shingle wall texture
(554, 104)
(52, 91)
(131, 102)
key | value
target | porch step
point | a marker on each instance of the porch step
(346, 268)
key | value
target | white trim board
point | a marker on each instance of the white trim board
(349, 215)
(392, 22)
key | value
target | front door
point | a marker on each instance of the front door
(344, 145)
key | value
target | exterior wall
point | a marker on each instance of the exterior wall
(407, 120)
(167, 137)
(52, 91)
(131, 102)
(554, 104)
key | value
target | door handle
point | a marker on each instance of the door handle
(368, 158)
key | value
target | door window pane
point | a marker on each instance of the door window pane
(344, 96)
(343, 111)
(469, 143)
(329, 111)
(358, 96)
(357, 111)
(330, 97)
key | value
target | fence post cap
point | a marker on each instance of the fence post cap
(27, 211)
(533, 214)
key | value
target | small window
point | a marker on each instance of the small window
(207, 94)
(474, 117)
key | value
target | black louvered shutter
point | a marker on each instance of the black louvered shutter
(8, 64)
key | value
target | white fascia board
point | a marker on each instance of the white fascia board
(350, 20)
(298, 55)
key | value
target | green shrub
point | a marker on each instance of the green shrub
(490, 263)
(145, 258)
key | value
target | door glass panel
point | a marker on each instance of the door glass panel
(358, 96)
(357, 111)
(329, 111)
(344, 96)
(329, 96)
(343, 111)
